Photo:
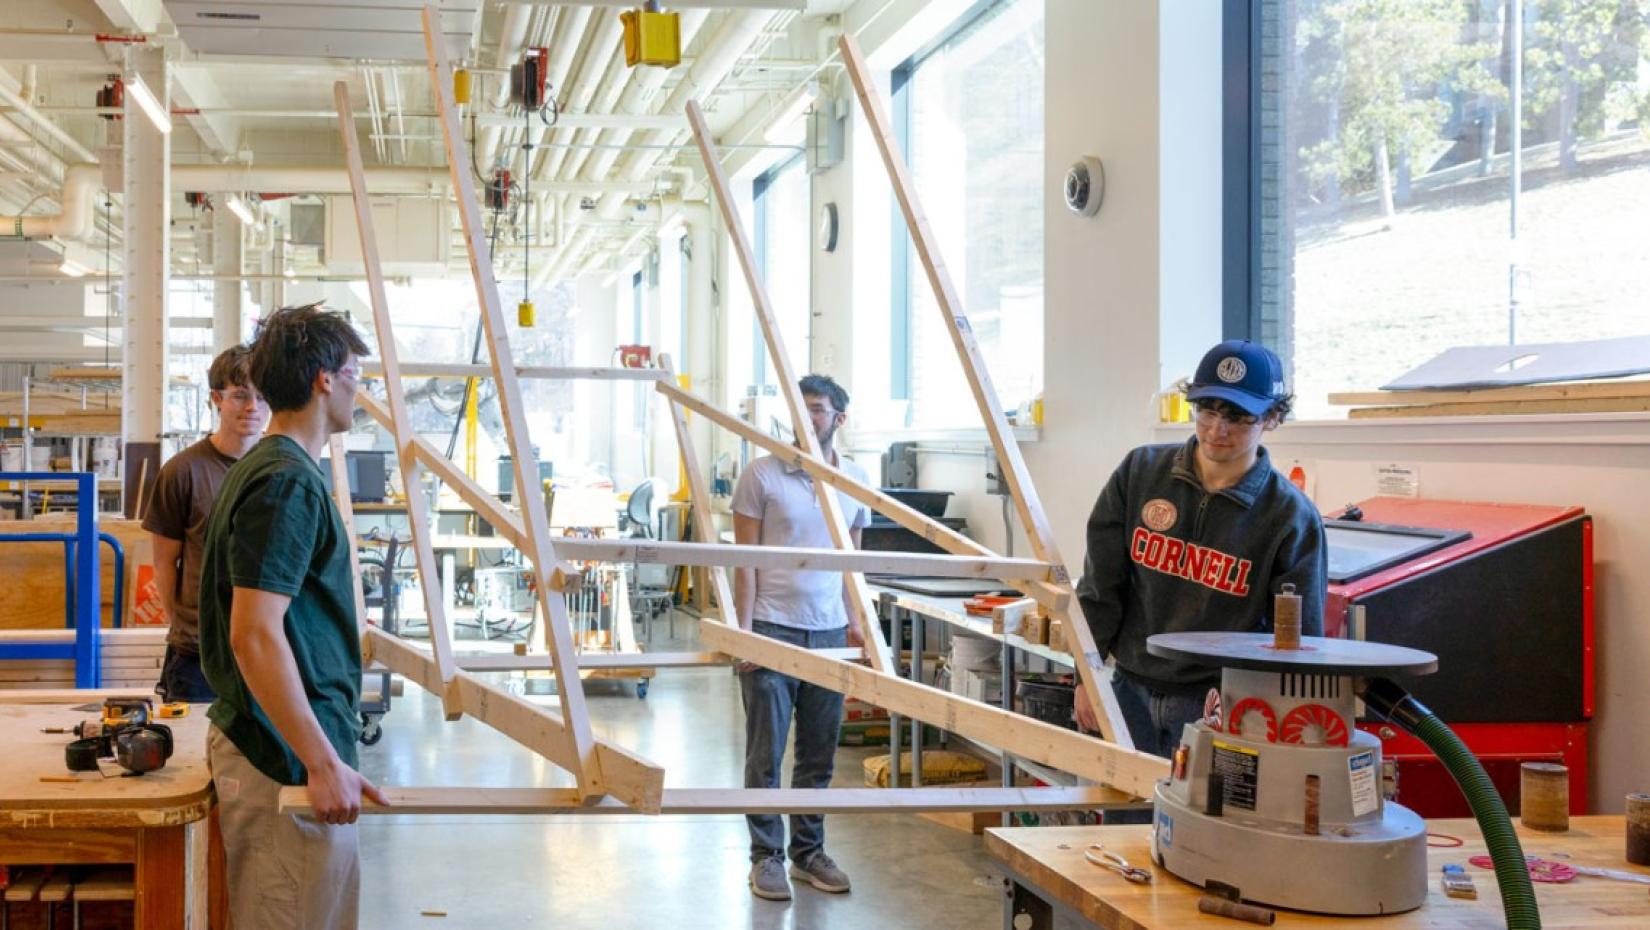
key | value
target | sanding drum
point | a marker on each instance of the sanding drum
(1286, 618)
(1638, 829)
(1544, 796)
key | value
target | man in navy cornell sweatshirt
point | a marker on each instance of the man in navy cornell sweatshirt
(1198, 537)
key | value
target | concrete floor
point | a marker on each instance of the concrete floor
(637, 871)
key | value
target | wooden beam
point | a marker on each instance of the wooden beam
(705, 801)
(558, 630)
(1501, 408)
(699, 492)
(501, 518)
(629, 777)
(1127, 770)
(859, 596)
(1094, 679)
(622, 660)
(418, 514)
(1583, 390)
(659, 552)
(375, 367)
(1055, 597)
(346, 513)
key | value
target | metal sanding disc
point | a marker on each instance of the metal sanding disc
(1318, 654)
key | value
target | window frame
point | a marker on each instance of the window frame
(901, 246)
(1240, 173)
(760, 206)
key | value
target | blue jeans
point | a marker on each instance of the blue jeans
(771, 699)
(181, 678)
(1155, 719)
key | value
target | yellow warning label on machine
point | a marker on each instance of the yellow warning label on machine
(1239, 769)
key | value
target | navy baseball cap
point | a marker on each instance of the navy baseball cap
(1242, 373)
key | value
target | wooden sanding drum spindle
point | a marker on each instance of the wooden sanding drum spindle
(1286, 618)
(1638, 829)
(1544, 796)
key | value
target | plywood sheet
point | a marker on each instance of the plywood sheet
(32, 574)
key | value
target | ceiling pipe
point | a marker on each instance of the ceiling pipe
(26, 110)
(708, 71)
(638, 98)
(797, 5)
(571, 26)
(512, 38)
(711, 67)
(608, 34)
(81, 183)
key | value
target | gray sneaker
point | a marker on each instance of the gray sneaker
(768, 879)
(819, 871)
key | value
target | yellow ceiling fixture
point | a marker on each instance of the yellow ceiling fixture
(651, 37)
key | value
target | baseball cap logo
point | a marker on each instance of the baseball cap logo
(1231, 370)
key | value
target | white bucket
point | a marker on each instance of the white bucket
(975, 652)
(40, 458)
(11, 457)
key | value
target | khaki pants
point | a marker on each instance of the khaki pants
(284, 872)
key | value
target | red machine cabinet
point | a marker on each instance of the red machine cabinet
(1508, 609)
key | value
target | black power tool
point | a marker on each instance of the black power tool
(124, 733)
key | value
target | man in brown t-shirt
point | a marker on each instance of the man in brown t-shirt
(183, 496)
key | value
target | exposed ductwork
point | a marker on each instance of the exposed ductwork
(81, 183)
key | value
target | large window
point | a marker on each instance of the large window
(783, 250)
(969, 111)
(1389, 216)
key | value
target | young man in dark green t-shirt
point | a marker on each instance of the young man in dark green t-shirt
(280, 643)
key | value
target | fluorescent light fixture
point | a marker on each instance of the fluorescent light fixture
(73, 268)
(149, 104)
(238, 207)
(779, 131)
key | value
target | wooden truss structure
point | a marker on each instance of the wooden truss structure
(608, 777)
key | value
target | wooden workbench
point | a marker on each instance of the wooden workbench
(156, 822)
(1051, 860)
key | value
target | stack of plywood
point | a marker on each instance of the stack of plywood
(131, 659)
(1618, 396)
(33, 575)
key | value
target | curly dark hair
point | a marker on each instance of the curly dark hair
(824, 386)
(293, 346)
(1282, 407)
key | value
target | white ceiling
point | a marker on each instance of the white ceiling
(252, 83)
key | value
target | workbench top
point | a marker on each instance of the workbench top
(1051, 859)
(179, 793)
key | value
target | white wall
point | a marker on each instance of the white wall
(1101, 273)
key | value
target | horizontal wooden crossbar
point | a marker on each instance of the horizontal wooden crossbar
(1052, 596)
(565, 801)
(663, 552)
(622, 660)
(626, 776)
(1067, 750)
(373, 367)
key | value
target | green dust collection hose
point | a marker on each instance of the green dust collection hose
(1391, 702)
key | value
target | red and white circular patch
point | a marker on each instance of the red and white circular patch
(1159, 514)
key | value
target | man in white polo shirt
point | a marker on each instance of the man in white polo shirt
(775, 504)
